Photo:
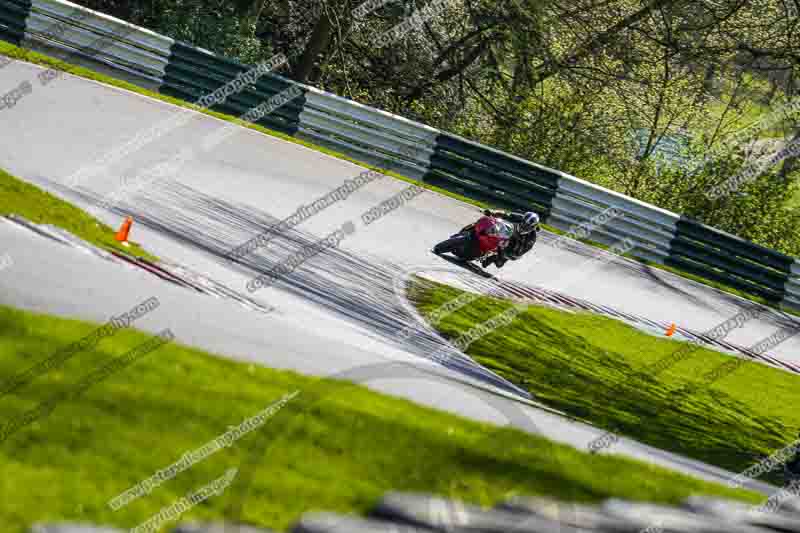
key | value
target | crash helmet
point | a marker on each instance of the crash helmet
(530, 222)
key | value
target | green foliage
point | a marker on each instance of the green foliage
(760, 210)
(214, 25)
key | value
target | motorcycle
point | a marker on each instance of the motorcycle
(478, 241)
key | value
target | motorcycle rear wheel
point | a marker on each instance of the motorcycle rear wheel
(454, 245)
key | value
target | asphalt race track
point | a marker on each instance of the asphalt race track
(338, 314)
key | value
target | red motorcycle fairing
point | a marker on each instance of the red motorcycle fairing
(492, 234)
(479, 240)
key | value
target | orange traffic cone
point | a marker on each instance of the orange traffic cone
(124, 230)
(671, 330)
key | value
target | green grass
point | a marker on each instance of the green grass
(590, 367)
(336, 446)
(21, 198)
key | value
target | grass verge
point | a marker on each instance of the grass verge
(22, 198)
(31, 56)
(336, 446)
(590, 367)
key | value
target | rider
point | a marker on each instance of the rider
(526, 225)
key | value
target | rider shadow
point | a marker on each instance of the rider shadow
(467, 265)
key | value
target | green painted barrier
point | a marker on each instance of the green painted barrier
(192, 74)
(735, 245)
(724, 261)
(489, 176)
(13, 14)
(719, 256)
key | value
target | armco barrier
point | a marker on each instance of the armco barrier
(192, 73)
(12, 20)
(409, 148)
(100, 38)
(367, 134)
(651, 228)
(105, 25)
(491, 176)
(791, 297)
(716, 255)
